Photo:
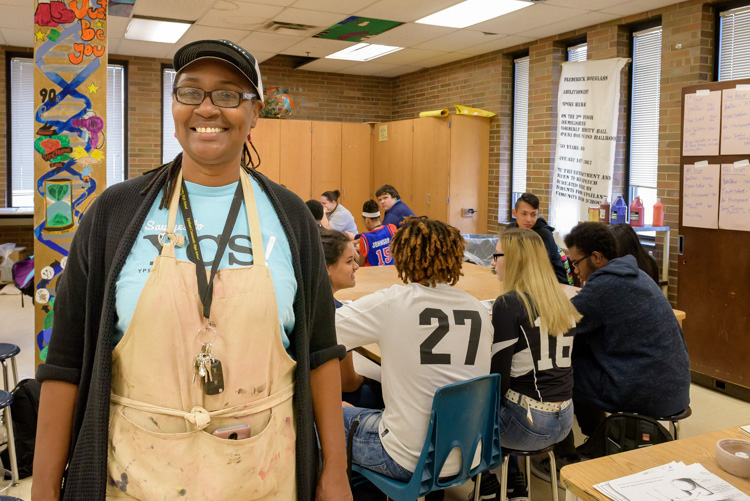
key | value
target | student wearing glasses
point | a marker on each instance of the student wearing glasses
(194, 337)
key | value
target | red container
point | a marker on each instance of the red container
(658, 213)
(636, 212)
(604, 212)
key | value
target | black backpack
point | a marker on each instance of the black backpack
(624, 432)
(24, 411)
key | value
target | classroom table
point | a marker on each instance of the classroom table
(579, 479)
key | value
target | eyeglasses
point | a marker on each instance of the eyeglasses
(576, 262)
(221, 97)
(497, 255)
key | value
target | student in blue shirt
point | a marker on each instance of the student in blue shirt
(375, 243)
(390, 201)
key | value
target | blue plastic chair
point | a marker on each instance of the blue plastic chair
(463, 414)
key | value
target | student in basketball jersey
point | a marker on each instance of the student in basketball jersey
(375, 243)
(423, 330)
(534, 324)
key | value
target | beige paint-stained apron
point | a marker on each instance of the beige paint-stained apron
(160, 441)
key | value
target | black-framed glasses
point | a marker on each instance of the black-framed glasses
(223, 98)
(575, 263)
(497, 255)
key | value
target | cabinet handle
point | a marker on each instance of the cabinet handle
(427, 198)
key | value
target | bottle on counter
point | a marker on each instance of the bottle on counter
(636, 212)
(604, 211)
(658, 219)
(619, 211)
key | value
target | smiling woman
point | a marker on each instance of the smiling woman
(187, 300)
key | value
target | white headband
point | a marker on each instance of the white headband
(371, 214)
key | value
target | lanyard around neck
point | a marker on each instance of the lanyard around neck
(206, 287)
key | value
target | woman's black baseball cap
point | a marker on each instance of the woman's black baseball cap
(226, 51)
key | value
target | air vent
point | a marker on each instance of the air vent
(289, 28)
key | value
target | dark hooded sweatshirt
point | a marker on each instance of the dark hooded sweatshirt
(544, 230)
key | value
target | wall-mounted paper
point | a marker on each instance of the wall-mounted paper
(735, 122)
(700, 196)
(734, 206)
(700, 128)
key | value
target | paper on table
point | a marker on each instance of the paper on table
(734, 204)
(700, 196)
(433, 113)
(735, 122)
(700, 124)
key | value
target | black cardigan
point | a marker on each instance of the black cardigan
(80, 349)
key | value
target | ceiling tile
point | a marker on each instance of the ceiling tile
(189, 10)
(262, 56)
(116, 26)
(368, 68)
(456, 41)
(400, 70)
(408, 56)
(410, 34)
(302, 16)
(211, 33)
(526, 19)
(245, 17)
(22, 3)
(337, 6)
(2, 39)
(144, 49)
(449, 57)
(586, 4)
(583, 21)
(400, 10)
(113, 44)
(328, 65)
(502, 43)
(638, 6)
(18, 38)
(317, 47)
(268, 42)
(282, 3)
(15, 15)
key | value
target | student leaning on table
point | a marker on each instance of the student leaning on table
(425, 331)
(121, 402)
(534, 324)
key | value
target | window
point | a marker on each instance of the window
(578, 53)
(644, 117)
(23, 130)
(169, 145)
(520, 126)
(734, 44)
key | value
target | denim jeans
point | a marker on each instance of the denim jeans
(367, 450)
(549, 427)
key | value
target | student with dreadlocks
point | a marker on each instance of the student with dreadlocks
(195, 308)
(428, 256)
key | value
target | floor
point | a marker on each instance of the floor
(711, 410)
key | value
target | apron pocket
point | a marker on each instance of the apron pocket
(192, 465)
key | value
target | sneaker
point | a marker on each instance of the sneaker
(489, 489)
(540, 466)
(516, 490)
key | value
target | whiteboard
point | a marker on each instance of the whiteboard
(734, 205)
(700, 196)
(701, 124)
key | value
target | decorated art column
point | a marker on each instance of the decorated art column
(70, 92)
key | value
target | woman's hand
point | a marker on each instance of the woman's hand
(333, 485)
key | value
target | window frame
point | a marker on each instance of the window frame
(736, 4)
(513, 196)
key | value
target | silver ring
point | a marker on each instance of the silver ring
(206, 329)
(164, 234)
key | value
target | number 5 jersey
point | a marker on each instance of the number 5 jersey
(375, 245)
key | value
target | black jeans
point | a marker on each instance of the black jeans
(589, 418)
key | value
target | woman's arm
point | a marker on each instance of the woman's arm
(333, 483)
(350, 380)
(54, 426)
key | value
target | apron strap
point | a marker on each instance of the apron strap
(169, 236)
(256, 237)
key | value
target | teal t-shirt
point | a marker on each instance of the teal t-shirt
(210, 206)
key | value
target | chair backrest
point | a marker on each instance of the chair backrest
(463, 415)
(624, 431)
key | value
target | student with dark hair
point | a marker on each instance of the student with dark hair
(396, 211)
(339, 217)
(526, 213)
(428, 257)
(628, 243)
(375, 243)
(629, 354)
(318, 213)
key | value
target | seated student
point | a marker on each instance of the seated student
(628, 243)
(319, 214)
(423, 331)
(375, 243)
(534, 324)
(339, 217)
(629, 353)
(526, 213)
(396, 211)
(341, 262)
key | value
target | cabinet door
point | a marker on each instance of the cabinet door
(470, 156)
(356, 186)
(296, 157)
(266, 140)
(431, 172)
(326, 157)
(393, 158)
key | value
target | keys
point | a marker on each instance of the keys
(206, 367)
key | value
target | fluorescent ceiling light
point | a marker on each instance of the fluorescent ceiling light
(364, 52)
(472, 12)
(156, 30)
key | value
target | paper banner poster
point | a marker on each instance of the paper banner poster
(700, 195)
(587, 102)
(734, 205)
(701, 124)
(735, 122)
(433, 113)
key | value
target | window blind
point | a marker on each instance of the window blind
(578, 53)
(115, 124)
(520, 122)
(734, 44)
(644, 112)
(170, 146)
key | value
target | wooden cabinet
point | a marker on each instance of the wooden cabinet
(469, 173)
(392, 157)
(431, 167)
(266, 139)
(356, 169)
(326, 157)
(295, 157)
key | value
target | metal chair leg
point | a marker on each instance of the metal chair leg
(504, 480)
(15, 372)
(528, 476)
(477, 483)
(553, 475)
(11, 446)
(5, 376)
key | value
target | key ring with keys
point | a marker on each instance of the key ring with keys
(206, 329)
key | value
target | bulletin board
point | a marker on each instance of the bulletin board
(713, 268)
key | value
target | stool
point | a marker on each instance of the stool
(675, 419)
(507, 453)
(6, 398)
(9, 351)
